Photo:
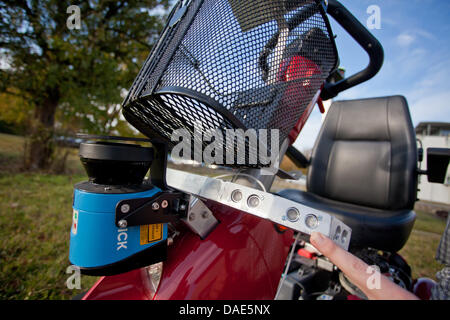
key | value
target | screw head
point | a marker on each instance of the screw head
(155, 206)
(205, 214)
(125, 208)
(192, 216)
(122, 223)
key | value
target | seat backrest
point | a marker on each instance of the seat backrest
(366, 154)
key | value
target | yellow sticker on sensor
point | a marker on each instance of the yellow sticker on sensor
(151, 233)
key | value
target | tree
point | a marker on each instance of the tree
(14, 114)
(72, 63)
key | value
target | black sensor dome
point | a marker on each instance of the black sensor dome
(109, 163)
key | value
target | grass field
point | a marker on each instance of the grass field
(35, 220)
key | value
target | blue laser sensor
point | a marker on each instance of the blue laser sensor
(99, 243)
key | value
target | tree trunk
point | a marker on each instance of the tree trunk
(40, 148)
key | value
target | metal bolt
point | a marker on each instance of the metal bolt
(205, 214)
(182, 207)
(164, 204)
(192, 216)
(155, 206)
(125, 208)
(123, 223)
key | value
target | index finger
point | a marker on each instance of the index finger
(357, 271)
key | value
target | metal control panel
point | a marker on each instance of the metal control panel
(262, 204)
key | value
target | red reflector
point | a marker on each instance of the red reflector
(306, 254)
(321, 106)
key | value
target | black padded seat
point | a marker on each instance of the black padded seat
(364, 171)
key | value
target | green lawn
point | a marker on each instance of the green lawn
(11, 145)
(11, 149)
(35, 220)
(420, 250)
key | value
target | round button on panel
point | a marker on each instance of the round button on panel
(253, 201)
(236, 195)
(311, 221)
(293, 214)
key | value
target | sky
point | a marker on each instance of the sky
(415, 35)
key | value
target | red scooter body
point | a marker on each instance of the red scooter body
(242, 258)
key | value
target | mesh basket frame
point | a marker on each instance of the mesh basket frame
(147, 105)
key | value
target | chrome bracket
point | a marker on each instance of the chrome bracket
(265, 205)
(199, 218)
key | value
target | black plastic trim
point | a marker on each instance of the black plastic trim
(84, 136)
(437, 164)
(115, 151)
(154, 254)
(89, 186)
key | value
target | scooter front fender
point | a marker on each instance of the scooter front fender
(241, 259)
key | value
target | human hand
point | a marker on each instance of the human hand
(358, 272)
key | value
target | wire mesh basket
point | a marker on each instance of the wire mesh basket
(233, 64)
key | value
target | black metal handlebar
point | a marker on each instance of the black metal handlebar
(365, 39)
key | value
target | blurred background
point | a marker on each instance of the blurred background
(66, 67)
